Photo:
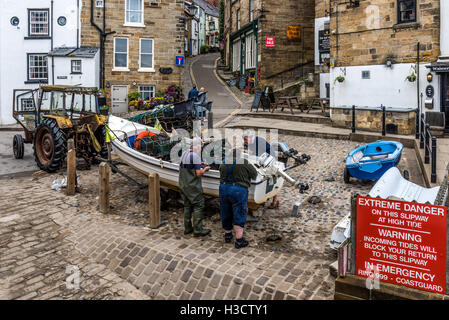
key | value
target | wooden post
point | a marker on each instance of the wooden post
(104, 188)
(155, 202)
(353, 233)
(71, 169)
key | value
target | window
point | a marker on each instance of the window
(121, 54)
(27, 104)
(38, 23)
(134, 12)
(146, 92)
(146, 55)
(406, 11)
(236, 46)
(76, 66)
(99, 3)
(250, 51)
(238, 19)
(37, 67)
(366, 74)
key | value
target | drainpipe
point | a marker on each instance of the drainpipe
(78, 24)
(102, 34)
(417, 71)
(51, 42)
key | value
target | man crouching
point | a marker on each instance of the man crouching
(235, 179)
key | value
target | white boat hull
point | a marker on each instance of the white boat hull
(261, 189)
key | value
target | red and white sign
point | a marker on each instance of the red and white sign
(269, 42)
(403, 243)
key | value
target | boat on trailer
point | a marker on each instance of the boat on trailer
(269, 182)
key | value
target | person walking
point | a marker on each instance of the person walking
(193, 93)
(190, 172)
(235, 179)
(200, 105)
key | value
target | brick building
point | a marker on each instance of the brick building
(139, 40)
(270, 40)
(374, 50)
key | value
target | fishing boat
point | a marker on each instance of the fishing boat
(371, 161)
(269, 182)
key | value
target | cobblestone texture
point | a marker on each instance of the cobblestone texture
(42, 232)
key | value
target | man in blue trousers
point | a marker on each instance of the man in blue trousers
(235, 179)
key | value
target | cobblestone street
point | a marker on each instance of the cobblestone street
(44, 234)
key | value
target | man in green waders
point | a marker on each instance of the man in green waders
(190, 172)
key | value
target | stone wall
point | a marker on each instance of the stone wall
(370, 33)
(371, 120)
(321, 8)
(162, 23)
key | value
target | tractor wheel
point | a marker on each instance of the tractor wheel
(18, 146)
(50, 145)
(346, 175)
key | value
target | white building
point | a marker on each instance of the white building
(29, 31)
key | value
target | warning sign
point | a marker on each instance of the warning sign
(402, 243)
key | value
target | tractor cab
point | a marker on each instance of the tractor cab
(51, 115)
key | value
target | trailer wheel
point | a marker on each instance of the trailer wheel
(346, 175)
(50, 145)
(18, 146)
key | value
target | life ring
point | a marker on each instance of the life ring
(142, 135)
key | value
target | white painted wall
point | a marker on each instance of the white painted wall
(14, 48)
(324, 78)
(386, 86)
(89, 76)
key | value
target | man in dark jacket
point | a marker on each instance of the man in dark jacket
(235, 179)
(190, 172)
(193, 93)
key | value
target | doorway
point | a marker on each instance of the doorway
(445, 98)
(119, 99)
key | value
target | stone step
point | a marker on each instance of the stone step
(302, 117)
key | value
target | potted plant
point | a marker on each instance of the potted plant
(339, 79)
(104, 110)
(411, 77)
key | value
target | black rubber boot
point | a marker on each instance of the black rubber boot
(198, 216)
(241, 243)
(188, 228)
(228, 237)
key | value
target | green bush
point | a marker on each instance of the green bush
(204, 48)
(135, 95)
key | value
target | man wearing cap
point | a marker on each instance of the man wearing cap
(235, 179)
(190, 172)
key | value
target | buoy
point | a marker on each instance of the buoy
(142, 135)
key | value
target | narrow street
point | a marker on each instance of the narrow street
(203, 72)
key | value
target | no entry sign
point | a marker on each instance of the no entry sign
(402, 243)
(269, 42)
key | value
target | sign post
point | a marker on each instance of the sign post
(403, 243)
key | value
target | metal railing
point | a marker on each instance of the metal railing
(430, 150)
(427, 141)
